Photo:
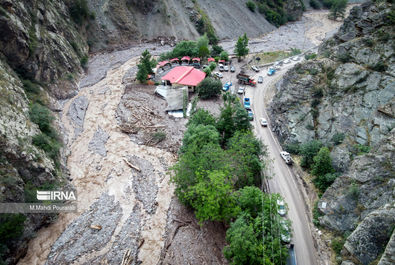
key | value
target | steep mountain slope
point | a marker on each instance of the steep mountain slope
(348, 93)
(120, 22)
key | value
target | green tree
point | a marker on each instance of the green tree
(224, 55)
(226, 124)
(145, 66)
(212, 66)
(196, 160)
(202, 46)
(250, 200)
(241, 48)
(251, 5)
(244, 246)
(244, 152)
(338, 9)
(199, 135)
(201, 117)
(209, 88)
(322, 163)
(216, 50)
(241, 120)
(212, 197)
(308, 151)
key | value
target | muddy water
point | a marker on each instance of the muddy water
(94, 174)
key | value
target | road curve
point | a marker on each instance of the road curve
(283, 180)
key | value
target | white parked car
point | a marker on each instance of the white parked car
(255, 68)
(263, 122)
(287, 61)
(285, 234)
(287, 157)
(219, 75)
(281, 210)
(240, 90)
(295, 58)
(226, 68)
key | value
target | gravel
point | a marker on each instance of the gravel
(76, 113)
(98, 142)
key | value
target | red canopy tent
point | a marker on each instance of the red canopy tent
(196, 59)
(162, 63)
(221, 61)
(174, 60)
(211, 59)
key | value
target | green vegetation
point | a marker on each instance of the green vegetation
(84, 61)
(337, 9)
(209, 88)
(310, 56)
(204, 26)
(11, 227)
(353, 191)
(202, 46)
(241, 48)
(48, 140)
(323, 170)
(337, 244)
(158, 137)
(183, 48)
(218, 165)
(79, 11)
(251, 5)
(308, 151)
(314, 4)
(33, 42)
(224, 56)
(216, 50)
(145, 66)
(337, 138)
(295, 51)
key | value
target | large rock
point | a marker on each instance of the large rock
(369, 239)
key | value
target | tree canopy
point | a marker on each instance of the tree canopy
(209, 88)
(241, 48)
(145, 66)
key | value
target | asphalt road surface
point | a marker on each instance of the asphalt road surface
(283, 180)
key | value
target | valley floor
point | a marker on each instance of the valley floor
(135, 207)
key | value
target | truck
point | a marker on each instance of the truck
(245, 79)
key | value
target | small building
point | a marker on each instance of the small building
(184, 76)
(185, 60)
(196, 60)
(222, 62)
(211, 59)
(163, 65)
(175, 61)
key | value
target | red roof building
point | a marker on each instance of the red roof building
(221, 61)
(163, 63)
(186, 58)
(196, 59)
(185, 75)
(174, 60)
(211, 59)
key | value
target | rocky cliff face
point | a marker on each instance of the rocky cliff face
(349, 93)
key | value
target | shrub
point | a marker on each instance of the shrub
(30, 87)
(158, 137)
(313, 71)
(308, 151)
(379, 67)
(391, 17)
(318, 92)
(344, 57)
(314, 4)
(209, 88)
(42, 116)
(315, 102)
(310, 56)
(293, 148)
(337, 244)
(11, 227)
(353, 191)
(316, 215)
(337, 138)
(295, 51)
(212, 66)
(79, 11)
(50, 146)
(216, 50)
(84, 61)
(251, 5)
(224, 55)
